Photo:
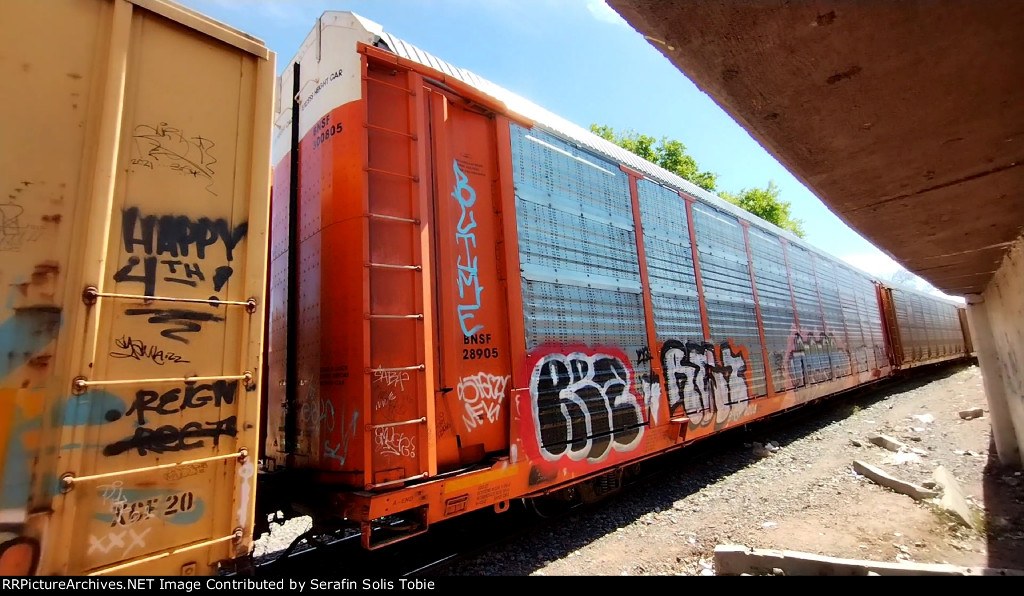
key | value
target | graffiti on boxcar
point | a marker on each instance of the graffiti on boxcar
(245, 472)
(127, 540)
(385, 400)
(647, 383)
(185, 471)
(129, 347)
(810, 358)
(482, 395)
(880, 355)
(174, 249)
(710, 383)
(175, 320)
(584, 406)
(314, 412)
(129, 512)
(649, 387)
(391, 378)
(338, 450)
(169, 438)
(15, 233)
(167, 147)
(22, 425)
(26, 342)
(122, 506)
(390, 441)
(468, 277)
(860, 358)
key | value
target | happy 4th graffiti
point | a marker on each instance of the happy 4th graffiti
(177, 252)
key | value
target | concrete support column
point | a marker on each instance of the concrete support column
(1003, 430)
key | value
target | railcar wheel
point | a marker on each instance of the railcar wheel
(554, 504)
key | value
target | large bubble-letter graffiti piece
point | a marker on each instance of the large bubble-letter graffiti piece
(709, 383)
(584, 407)
(482, 395)
(468, 277)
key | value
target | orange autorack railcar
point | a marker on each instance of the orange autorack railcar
(455, 299)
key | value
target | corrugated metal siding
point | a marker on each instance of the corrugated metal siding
(835, 324)
(669, 263)
(856, 317)
(581, 138)
(775, 301)
(929, 327)
(577, 246)
(729, 297)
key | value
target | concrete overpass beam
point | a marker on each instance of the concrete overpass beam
(996, 319)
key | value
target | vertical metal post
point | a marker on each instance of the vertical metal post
(291, 430)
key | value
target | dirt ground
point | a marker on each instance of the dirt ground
(792, 487)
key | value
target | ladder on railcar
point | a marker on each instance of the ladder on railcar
(398, 440)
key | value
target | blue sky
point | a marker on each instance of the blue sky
(580, 60)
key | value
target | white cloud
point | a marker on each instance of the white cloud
(600, 10)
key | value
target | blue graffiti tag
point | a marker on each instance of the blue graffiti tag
(468, 276)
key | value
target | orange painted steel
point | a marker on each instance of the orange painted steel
(652, 338)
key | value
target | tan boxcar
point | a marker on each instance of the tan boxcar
(135, 170)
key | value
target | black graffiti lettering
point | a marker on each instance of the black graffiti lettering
(148, 277)
(643, 355)
(195, 396)
(221, 276)
(190, 270)
(552, 422)
(129, 219)
(702, 379)
(584, 406)
(685, 378)
(137, 349)
(183, 321)
(169, 438)
(176, 235)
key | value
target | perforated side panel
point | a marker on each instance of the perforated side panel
(568, 314)
(727, 290)
(835, 325)
(577, 246)
(669, 263)
(928, 328)
(775, 301)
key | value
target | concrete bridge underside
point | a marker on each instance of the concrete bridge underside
(906, 118)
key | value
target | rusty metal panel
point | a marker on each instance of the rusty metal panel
(136, 169)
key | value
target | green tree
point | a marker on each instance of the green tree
(765, 203)
(671, 155)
